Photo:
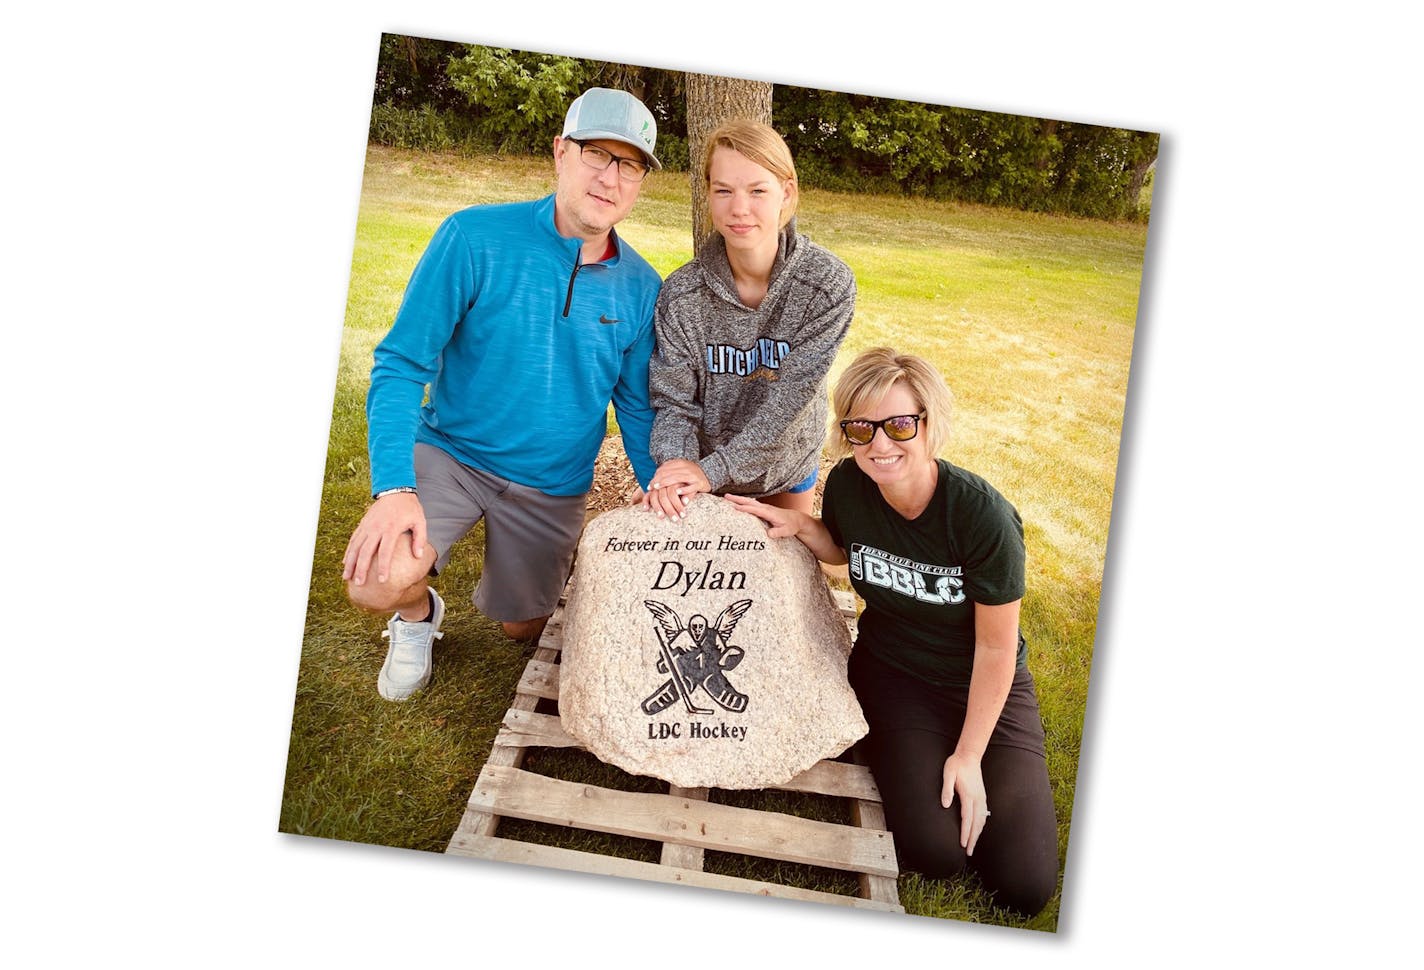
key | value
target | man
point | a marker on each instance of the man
(524, 320)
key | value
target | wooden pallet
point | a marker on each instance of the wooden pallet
(683, 820)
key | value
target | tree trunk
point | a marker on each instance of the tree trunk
(1134, 187)
(1144, 156)
(712, 100)
(1047, 129)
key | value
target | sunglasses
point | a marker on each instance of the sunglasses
(902, 427)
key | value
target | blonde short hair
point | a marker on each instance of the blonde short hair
(761, 144)
(867, 380)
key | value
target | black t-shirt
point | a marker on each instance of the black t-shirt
(920, 579)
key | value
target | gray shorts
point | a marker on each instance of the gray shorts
(530, 537)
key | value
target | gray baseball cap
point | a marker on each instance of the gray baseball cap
(606, 113)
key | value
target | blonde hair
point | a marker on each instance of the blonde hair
(867, 380)
(761, 144)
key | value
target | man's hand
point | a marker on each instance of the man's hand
(672, 487)
(388, 518)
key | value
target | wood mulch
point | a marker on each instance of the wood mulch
(613, 478)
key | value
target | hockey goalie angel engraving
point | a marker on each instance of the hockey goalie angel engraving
(699, 661)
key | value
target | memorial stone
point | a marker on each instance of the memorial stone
(703, 652)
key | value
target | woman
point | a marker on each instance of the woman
(746, 333)
(939, 665)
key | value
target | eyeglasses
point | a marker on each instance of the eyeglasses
(629, 169)
(902, 427)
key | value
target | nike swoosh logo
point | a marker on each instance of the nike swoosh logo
(603, 319)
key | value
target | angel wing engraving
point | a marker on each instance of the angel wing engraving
(667, 618)
(727, 619)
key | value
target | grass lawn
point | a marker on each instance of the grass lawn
(1029, 317)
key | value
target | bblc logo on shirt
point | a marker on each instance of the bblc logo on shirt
(926, 583)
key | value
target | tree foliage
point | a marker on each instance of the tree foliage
(465, 97)
(854, 142)
(518, 99)
(411, 73)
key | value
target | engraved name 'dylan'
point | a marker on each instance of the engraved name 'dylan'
(672, 574)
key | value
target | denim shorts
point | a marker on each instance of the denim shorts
(806, 485)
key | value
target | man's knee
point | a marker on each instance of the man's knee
(407, 581)
(526, 631)
(376, 597)
(406, 578)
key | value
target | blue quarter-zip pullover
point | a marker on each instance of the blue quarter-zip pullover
(522, 348)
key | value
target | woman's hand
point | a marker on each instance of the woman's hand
(996, 639)
(672, 487)
(962, 777)
(811, 531)
(782, 522)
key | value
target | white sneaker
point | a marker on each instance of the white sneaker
(407, 667)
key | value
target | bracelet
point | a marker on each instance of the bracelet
(395, 491)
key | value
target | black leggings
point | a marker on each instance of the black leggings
(1016, 856)
(914, 727)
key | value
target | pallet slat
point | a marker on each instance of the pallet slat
(665, 818)
(474, 821)
(871, 815)
(675, 853)
(529, 853)
(528, 729)
(835, 778)
(540, 679)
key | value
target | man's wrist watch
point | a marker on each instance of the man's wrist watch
(395, 491)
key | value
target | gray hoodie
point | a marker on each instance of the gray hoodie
(743, 391)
